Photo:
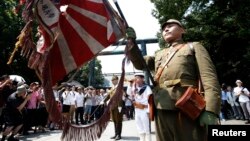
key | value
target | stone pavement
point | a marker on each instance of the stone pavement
(129, 132)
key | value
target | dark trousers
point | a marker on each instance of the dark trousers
(99, 111)
(117, 119)
(237, 112)
(94, 112)
(130, 112)
(174, 126)
(29, 119)
(225, 109)
(79, 112)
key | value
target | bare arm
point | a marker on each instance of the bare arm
(21, 106)
(4, 83)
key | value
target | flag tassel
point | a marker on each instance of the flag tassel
(23, 41)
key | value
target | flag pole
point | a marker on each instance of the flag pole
(120, 12)
(143, 62)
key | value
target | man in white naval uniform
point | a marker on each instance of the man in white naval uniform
(140, 92)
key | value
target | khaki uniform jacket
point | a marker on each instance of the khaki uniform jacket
(182, 71)
(116, 116)
(111, 93)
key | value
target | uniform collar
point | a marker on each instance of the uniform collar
(176, 43)
(114, 86)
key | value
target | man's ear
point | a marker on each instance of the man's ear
(183, 31)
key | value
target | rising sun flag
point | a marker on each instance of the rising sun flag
(66, 40)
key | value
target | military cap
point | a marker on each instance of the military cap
(115, 77)
(171, 21)
(139, 74)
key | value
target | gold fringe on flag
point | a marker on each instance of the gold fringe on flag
(22, 38)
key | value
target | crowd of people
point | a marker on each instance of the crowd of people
(80, 105)
(22, 107)
(235, 102)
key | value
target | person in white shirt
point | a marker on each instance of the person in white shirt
(99, 98)
(66, 102)
(231, 98)
(243, 95)
(140, 92)
(79, 101)
(72, 99)
(102, 97)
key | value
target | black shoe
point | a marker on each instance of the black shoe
(247, 122)
(113, 137)
(118, 137)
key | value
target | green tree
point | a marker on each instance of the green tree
(86, 72)
(10, 27)
(223, 28)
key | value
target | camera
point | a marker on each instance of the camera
(29, 92)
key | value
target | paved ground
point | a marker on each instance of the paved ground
(129, 132)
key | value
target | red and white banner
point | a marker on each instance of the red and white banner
(78, 34)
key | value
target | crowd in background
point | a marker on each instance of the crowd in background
(80, 105)
(83, 105)
(235, 102)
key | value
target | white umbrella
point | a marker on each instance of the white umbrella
(17, 78)
(75, 83)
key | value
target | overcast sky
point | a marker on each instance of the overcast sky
(138, 15)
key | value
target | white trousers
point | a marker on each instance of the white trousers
(142, 121)
(145, 137)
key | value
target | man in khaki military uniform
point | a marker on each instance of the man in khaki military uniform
(181, 71)
(116, 113)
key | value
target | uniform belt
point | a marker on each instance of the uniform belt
(180, 82)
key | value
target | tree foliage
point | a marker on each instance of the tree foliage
(91, 74)
(223, 28)
(10, 26)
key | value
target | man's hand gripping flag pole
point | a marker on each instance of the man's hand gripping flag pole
(131, 43)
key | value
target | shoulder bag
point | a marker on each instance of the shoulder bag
(192, 102)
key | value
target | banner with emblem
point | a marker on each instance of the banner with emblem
(66, 41)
